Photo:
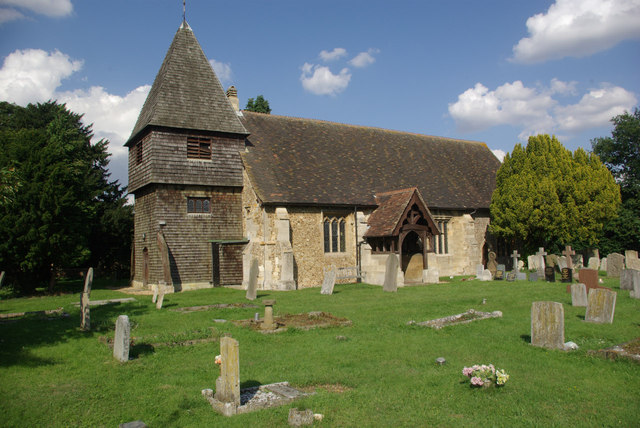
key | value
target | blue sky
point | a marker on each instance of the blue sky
(493, 71)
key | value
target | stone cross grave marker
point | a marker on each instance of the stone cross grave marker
(253, 281)
(515, 256)
(567, 272)
(578, 295)
(568, 252)
(329, 281)
(500, 273)
(601, 305)
(547, 325)
(615, 263)
(492, 265)
(391, 274)
(85, 316)
(630, 257)
(122, 339)
(627, 278)
(541, 254)
(267, 323)
(228, 384)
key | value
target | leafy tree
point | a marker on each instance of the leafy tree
(547, 196)
(59, 195)
(621, 154)
(259, 105)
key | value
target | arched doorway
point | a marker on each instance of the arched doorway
(412, 257)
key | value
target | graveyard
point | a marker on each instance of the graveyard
(377, 366)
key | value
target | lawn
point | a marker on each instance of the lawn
(383, 374)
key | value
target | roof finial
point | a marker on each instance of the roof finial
(184, 10)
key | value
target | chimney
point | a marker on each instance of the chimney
(232, 94)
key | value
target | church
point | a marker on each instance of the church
(218, 190)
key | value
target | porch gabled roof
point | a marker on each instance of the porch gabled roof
(393, 208)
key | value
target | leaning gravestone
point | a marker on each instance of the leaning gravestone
(627, 278)
(578, 295)
(615, 264)
(1, 279)
(601, 305)
(85, 316)
(122, 339)
(547, 325)
(391, 274)
(630, 257)
(329, 281)
(253, 281)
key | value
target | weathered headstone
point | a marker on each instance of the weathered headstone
(486, 275)
(511, 276)
(329, 281)
(1, 278)
(594, 263)
(85, 315)
(550, 274)
(267, 323)
(391, 274)
(561, 262)
(578, 261)
(492, 264)
(547, 325)
(88, 281)
(630, 258)
(122, 339)
(627, 276)
(533, 276)
(162, 289)
(541, 261)
(635, 293)
(154, 288)
(601, 305)
(479, 270)
(164, 257)
(298, 418)
(500, 273)
(578, 295)
(615, 264)
(603, 264)
(228, 384)
(252, 287)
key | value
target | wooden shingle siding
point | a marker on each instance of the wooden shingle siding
(165, 160)
(231, 264)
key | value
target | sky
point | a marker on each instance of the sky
(495, 71)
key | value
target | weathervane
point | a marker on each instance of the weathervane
(184, 10)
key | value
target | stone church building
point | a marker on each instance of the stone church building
(217, 189)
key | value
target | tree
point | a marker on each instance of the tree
(259, 105)
(621, 154)
(59, 193)
(547, 196)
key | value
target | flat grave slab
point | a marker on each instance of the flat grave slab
(463, 318)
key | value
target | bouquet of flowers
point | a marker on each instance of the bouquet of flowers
(218, 359)
(485, 375)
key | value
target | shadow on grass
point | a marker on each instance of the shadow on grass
(526, 337)
(20, 336)
(137, 351)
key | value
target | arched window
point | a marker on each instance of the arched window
(334, 235)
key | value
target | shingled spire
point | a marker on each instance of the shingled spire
(186, 93)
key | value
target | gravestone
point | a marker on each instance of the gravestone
(329, 281)
(511, 276)
(601, 305)
(391, 274)
(589, 277)
(541, 261)
(635, 293)
(578, 295)
(1, 279)
(603, 264)
(627, 277)
(615, 264)
(162, 289)
(164, 257)
(569, 253)
(630, 258)
(154, 287)
(547, 325)
(550, 274)
(566, 275)
(561, 261)
(578, 261)
(298, 418)
(514, 257)
(267, 323)
(594, 263)
(228, 384)
(253, 281)
(122, 339)
(492, 265)
(479, 270)
(500, 273)
(533, 276)
(85, 320)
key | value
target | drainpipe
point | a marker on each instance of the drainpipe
(358, 244)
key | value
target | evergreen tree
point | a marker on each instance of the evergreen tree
(621, 154)
(60, 193)
(547, 196)
(259, 105)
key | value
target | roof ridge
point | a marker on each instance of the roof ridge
(350, 125)
(393, 192)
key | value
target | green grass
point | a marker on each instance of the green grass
(53, 374)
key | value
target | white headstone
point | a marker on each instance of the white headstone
(329, 281)
(121, 340)
(579, 295)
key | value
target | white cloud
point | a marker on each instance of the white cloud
(327, 56)
(320, 80)
(500, 154)
(52, 8)
(32, 75)
(222, 70)
(534, 110)
(578, 28)
(364, 59)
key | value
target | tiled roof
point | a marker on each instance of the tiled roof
(391, 207)
(186, 93)
(311, 162)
